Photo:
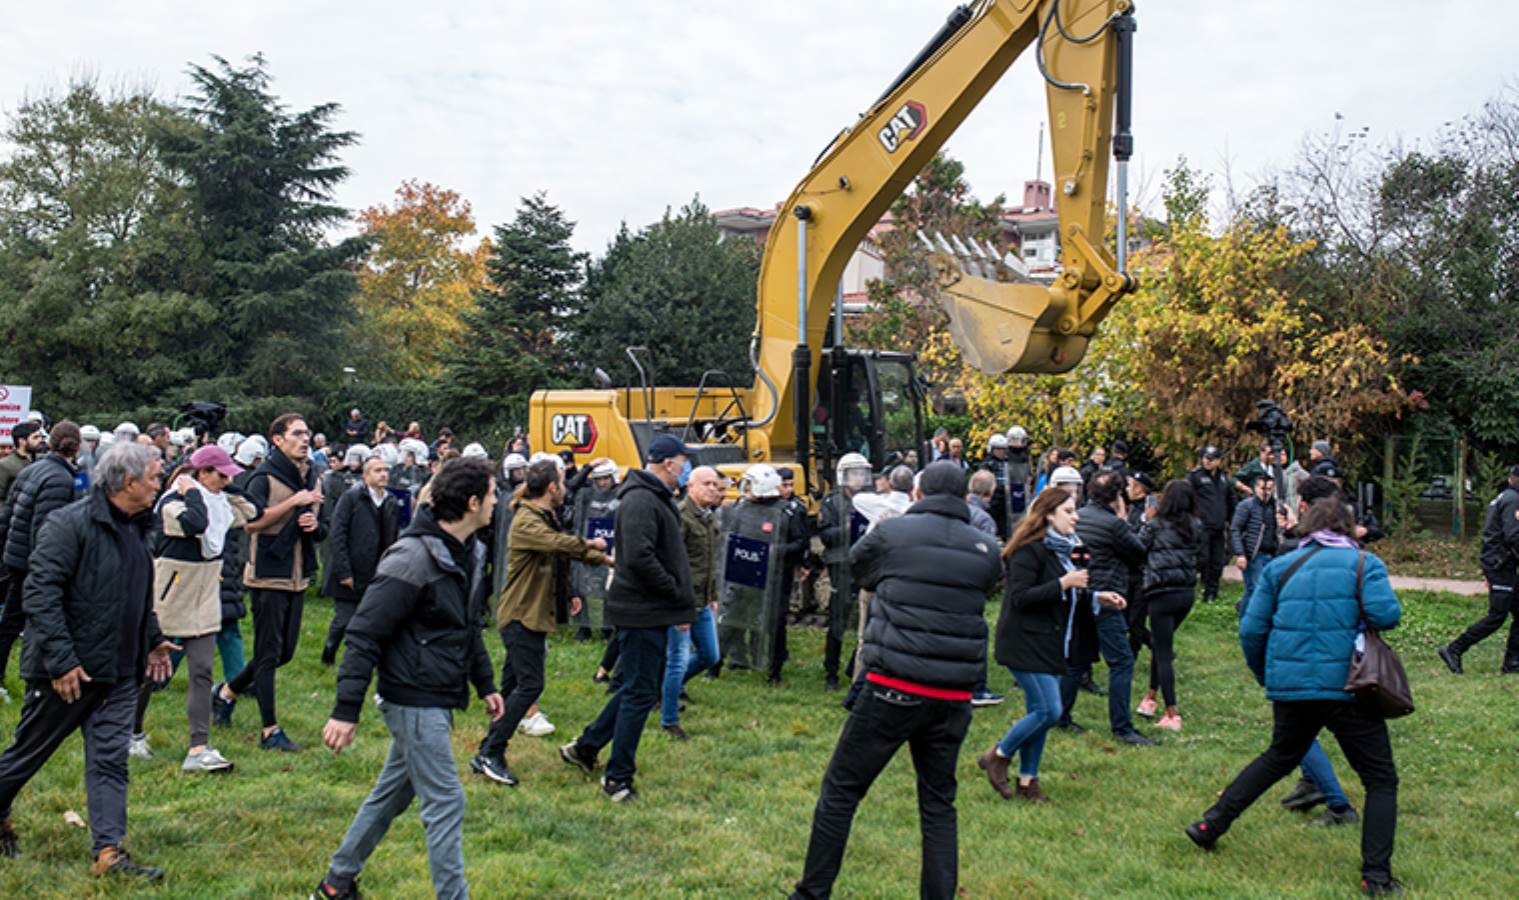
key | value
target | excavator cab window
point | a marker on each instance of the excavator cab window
(901, 419)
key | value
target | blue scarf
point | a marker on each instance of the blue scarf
(1061, 544)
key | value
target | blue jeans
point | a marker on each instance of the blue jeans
(1041, 693)
(420, 765)
(1253, 570)
(681, 666)
(1317, 769)
(622, 719)
(229, 645)
(1113, 642)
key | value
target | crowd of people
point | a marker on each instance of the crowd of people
(126, 553)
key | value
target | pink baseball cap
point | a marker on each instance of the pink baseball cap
(214, 457)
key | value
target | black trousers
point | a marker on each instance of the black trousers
(13, 619)
(276, 629)
(1168, 609)
(521, 684)
(1362, 735)
(1501, 604)
(1213, 557)
(342, 613)
(104, 713)
(880, 723)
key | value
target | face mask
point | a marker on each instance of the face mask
(685, 474)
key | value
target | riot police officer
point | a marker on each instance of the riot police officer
(839, 526)
(595, 509)
(761, 548)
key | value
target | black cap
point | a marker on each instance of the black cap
(1144, 479)
(1210, 452)
(1514, 472)
(667, 447)
(786, 473)
(1121, 447)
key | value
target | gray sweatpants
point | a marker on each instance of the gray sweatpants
(200, 653)
(421, 765)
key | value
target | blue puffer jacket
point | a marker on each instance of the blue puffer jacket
(1298, 643)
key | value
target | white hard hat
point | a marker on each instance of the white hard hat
(764, 481)
(513, 461)
(89, 433)
(1065, 475)
(475, 451)
(605, 470)
(253, 448)
(1017, 437)
(229, 441)
(997, 442)
(127, 431)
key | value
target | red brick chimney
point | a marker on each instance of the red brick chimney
(1036, 195)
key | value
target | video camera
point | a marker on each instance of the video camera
(202, 416)
(1272, 422)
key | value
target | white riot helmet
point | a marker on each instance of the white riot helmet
(416, 448)
(229, 441)
(474, 451)
(184, 437)
(1065, 476)
(764, 481)
(127, 431)
(251, 450)
(107, 438)
(607, 469)
(389, 454)
(513, 462)
(357, 453)
(1017, 438)
(997, 442)
(89, 433)
(853, 471)
(540, 456)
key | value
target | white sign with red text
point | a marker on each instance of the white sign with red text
(15, 403)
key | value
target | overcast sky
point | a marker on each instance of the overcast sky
(620, 109)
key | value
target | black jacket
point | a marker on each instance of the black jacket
(1116, 549)
(931, 571)
(1252, 531)
(651, 584)
(1500, 533)
(1174, 554)
(361, 532)
(1215, 497)
(418, 625)
(1033, 627)
(75, 583)
(41, 488)
(274, 552)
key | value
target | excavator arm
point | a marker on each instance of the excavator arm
(1000, 325)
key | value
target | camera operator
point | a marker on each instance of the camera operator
(1254, 532)
(1215, 506)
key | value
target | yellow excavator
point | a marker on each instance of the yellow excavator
(872, 401)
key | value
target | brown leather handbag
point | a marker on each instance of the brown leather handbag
(1376, 674)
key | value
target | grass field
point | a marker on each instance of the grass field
(727, 814)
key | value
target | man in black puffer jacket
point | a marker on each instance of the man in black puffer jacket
(42, 488)
(1116, 552)
(650, 593)
(924, 651)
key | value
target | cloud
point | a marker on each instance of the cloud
(620, 110)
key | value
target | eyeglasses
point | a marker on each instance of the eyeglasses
(298, 433)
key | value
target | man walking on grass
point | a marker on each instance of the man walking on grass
(923, 652)
(651, 591)
(90, 635)
(525, 611)
(281, 563)
(417, 625)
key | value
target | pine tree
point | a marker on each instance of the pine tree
(512, 340)
(262, 178)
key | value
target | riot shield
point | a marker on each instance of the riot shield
(1017, 493)
(750, 604)
(843, 598)
(595, 517)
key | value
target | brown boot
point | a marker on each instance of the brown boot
(115, 861)
(995, 768)
(1031, 792)
(9, 847)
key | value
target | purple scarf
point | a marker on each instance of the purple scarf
(1333, 539)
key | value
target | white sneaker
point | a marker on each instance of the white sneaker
(378, 700)
(5, 695)
(536, 725)
(207, 760)
(139, 748)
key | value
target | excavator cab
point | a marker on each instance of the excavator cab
(870, 402)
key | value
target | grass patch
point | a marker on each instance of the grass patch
(1427, 556)
(727, 814)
